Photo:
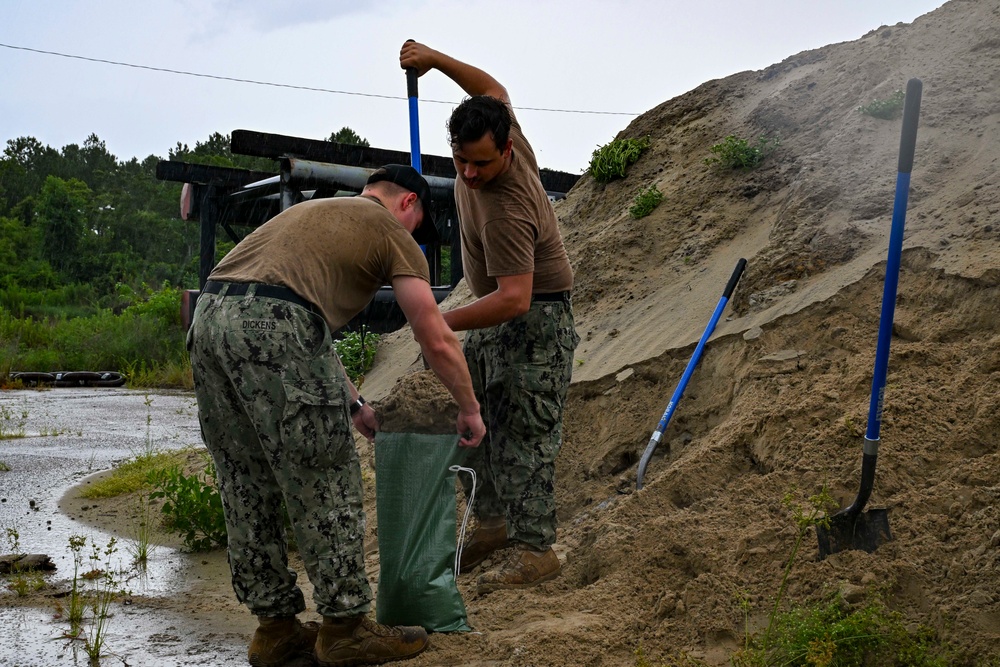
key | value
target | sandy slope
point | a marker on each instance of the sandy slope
(780, 399)
(783, 408)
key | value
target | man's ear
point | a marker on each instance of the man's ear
(508, 147)
(410, 200)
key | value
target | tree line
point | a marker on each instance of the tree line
(82, 231)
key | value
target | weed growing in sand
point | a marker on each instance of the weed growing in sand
(13, 540)
(610, 161)
(815, 513)
(76, 600)
(141, 533)
(94, 587)
(738, 153)
(25, 583)
(356, 350)
(645, 202)
(22, 580)
(12, 423)
(835, 633)
(4, 467)
(192, 506)
(103, 591)
(886, 109)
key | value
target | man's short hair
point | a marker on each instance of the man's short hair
(402, 177)
(476, 116)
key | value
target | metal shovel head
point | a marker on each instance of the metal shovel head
(864, 531)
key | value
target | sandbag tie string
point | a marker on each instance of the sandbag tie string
(465, 517)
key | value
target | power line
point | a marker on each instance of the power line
(283, 85)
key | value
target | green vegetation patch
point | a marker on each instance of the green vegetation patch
(611, 160)
(737, 153)
(834, 633)
(133, 475)
(645, 202)
(356, 350)
(889, 108)
(192, 506)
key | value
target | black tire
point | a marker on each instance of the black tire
(33, 378)
(77, 379)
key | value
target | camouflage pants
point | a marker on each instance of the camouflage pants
(521, 370)
(272, 403)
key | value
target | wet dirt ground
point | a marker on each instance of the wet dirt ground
(70, 434)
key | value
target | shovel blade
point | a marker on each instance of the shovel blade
(864, 531)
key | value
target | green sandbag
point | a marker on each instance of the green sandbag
(415, 494)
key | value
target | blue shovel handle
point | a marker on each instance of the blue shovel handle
(679, 391)
(907, 147)
(411, 93)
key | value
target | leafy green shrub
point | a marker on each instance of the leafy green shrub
(356, 350)
(610, 161)
(645, 202)
(833, 633)
(887, 108)
(737, 153)
(192, 506)
(147, 332)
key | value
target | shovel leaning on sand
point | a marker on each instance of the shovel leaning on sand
(679, 391)
(850, 528)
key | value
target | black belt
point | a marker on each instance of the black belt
(552, 296)
(269, 291)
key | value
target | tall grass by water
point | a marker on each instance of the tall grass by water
(144, 340)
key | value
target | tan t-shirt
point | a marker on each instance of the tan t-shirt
(334, 252)
(508, 228)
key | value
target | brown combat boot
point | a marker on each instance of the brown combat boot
(361, 641)
(524, 568)
(490, 535)
(282, 641)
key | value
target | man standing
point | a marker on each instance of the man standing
(276, 407)
(521, 337)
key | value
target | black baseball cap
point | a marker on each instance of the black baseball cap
(409, 178)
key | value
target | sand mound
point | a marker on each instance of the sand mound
(779, 402)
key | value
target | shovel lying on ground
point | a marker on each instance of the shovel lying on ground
(658, 433)
(850, 528)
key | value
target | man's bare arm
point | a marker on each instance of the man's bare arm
(511, 299)
(472, 80)
(442, 352)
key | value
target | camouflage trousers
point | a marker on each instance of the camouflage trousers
(521, 371)
(273, 407)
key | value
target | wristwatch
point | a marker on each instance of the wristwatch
(356, 405)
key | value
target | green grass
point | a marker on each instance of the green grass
(175, 374)
(611, 160)
(133, 475)
(144, 334)
(737, 153)
(886, 109)
(832, 633)
(12, 423)
(645, 202)
(141, 532)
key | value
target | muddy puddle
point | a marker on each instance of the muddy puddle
(179, 609)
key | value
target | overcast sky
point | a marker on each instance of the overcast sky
(577, 57)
